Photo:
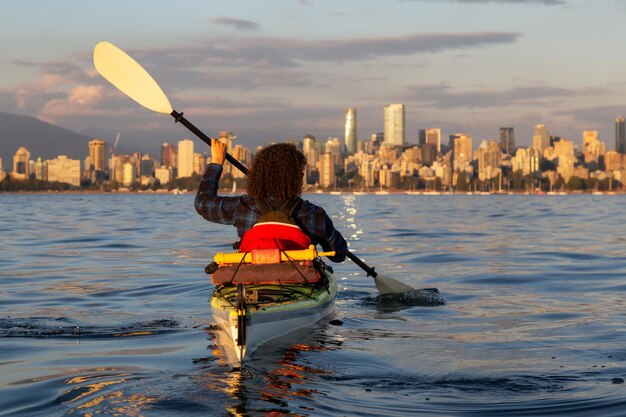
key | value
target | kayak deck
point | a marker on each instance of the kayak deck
(253, 314)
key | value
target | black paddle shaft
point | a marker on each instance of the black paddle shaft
(180, 118)
(370, 270)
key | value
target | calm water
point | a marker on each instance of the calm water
(103, 311)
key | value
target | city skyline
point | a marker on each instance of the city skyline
(468, 66)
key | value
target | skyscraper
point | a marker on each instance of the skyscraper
(462, 150)
(169, 155)
(541, 138)
(349, 125)
(620, 135)
(507, 140)
(433, 135)
(96, 154)
(185, 158)
(394, 124)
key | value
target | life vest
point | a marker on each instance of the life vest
(275, 228)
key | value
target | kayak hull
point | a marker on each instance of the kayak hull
(273, 315)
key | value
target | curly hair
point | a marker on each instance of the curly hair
(277, 171)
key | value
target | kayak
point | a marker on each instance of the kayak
(264, 295)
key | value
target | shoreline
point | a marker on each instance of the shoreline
(226, 192)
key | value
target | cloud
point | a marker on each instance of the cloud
(241, 24)
(443, 95)
(544, 2)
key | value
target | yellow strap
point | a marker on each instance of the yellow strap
(295, 255)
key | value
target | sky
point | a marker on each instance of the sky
(280, 69)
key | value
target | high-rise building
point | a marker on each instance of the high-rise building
(129, 174)
(349, 128)
(199, 163)
(97, 154)
(117, 167)
(429, 153)
(63, 169)
(185, 158)
(461, 150)
(433, 135)
(41, 170)
(489, 158)
(333, 147)
(169, 155)
(308, 143)
(541, 138)
(326, 169)
(146, 166)
(21, 165)
(394, 124)
(507, 140)
(593, 147)
(620, 135)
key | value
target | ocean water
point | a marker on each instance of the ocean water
(103, 311)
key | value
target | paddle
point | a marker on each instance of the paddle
(131, 79)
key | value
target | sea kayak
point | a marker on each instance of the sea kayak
(261, 296)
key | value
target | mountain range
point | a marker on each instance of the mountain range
(40, 138)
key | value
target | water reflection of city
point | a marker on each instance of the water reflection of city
(280, 378)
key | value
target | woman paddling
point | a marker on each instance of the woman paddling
(274, 184)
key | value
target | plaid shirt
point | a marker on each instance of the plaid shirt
(242, 212)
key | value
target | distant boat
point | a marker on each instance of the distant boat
(381, 192)
(431, 193)
(335, 192)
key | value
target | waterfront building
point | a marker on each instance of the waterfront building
(349, 127)
(117, 167)
(3, 173)
(394, 124)
(63, 169)
(562, 153)
(169, 155)
(333, 147)
(461, 150)
(593, 147)
(326, 169)
(614, 161)
(129, 173)
(226, 137)
(41, 172)
(412, 155)
(620, 135)
(429, 153)
(308, 143)
(244, 155)
(198, 163)
(489, 157)
(312, 157)
(388, 154)
(526, 160)
(163, 175)
(432, 135)
(507, 140)
(541, 138)
(97, 155)
(146, 167)
(185, 158)
(21, 165)
(443, 170)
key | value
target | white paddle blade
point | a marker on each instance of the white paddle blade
(388, 285)
(129, 77)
